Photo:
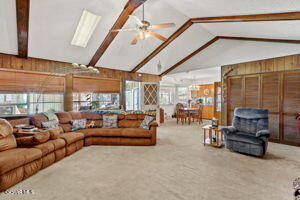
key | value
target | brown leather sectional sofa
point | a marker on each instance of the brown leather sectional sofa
(22, 157)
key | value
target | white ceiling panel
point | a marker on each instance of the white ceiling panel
(187, 42)
(122, 55)
(225, 52)
(8, 27)
(277, 30)
(53, 23)
(211, 8)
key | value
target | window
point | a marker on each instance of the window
(82, 101)
(45, 103)
(183, 94)
(166, 95)
(29, 103)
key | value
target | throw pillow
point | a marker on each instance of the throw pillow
(110, 121)
(90, 124)
(50, 124)
(146, 122)
(78, 124)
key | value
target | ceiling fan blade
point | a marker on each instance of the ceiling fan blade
(157, 26)
(137, 20)
(134, 41)
(123, 29)
(158, 36)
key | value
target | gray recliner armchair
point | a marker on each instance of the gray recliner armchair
(249, 132)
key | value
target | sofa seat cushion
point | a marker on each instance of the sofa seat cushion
(244, 137)
(102, 132)
(71, 137)
(17, 157)
(136, 132)
(51, 146)
(46, 148)
(58, 143)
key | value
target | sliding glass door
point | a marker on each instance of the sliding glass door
(133, 95)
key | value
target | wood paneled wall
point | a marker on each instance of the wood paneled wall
(261, 66)
(277, 89)
(42, 65)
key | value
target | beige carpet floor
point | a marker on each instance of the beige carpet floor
(179, 167)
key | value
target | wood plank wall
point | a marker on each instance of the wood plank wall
(273, 84)
(42, 65)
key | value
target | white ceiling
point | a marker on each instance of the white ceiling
(8, 27)
(156, 12)
(53, 23)
(225, 52)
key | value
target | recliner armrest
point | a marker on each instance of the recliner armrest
(153, 124)
(263, 133)
(228, 129)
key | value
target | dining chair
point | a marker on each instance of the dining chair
(198, 115)
(180, 115)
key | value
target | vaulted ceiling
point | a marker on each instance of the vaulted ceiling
(52, 25)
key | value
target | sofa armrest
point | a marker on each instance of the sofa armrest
(228, 129)
(263, 133)
(153, 124)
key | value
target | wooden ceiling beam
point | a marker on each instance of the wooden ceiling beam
(22, 10)
(226, 38)
(122, 19)
(250, 18)
(222, 19)
(260, 39)
(177, 33)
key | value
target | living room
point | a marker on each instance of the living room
(148, 99)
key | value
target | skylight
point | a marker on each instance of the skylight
(85, 28)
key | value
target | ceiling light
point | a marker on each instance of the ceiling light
(85, 28)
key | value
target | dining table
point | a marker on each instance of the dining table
(189, 111)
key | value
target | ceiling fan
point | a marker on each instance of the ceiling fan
(144, 29)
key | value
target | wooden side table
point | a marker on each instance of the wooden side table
(218, 134)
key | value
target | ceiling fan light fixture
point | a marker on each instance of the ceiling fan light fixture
(85, 28)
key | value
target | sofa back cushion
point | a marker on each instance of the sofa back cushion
(250, 120)
(91, 116)
(76, 115)
(131, 116)
(125, 123)
(64, 117)
(37, 120)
